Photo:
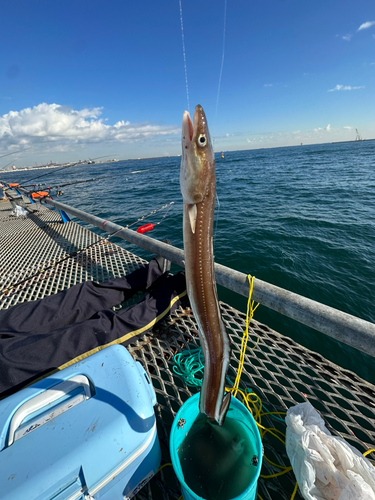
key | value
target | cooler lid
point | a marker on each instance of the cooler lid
(71, 430)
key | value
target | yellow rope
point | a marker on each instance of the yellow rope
(273, 413)
(251, 400)
(277, 473)
(162, 467)
(249, 314)
(276, 465)
(294, 492)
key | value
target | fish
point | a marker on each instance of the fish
(198, 189)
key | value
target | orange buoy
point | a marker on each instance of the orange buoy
(13, 184)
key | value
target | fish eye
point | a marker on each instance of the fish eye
(202, 140)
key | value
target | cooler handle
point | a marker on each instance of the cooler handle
(46, 398)
(147, 382)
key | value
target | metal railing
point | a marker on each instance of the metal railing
(343, 327)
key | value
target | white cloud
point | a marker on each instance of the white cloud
(345, 87)
(347, 37)
(320, 129)
(366, 25)
(59, 126)
(348, 128)
(224, 136)
(268, 85)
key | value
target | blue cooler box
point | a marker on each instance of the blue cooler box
(87, 432)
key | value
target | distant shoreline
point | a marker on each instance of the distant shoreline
(353, 140)
(22, 169)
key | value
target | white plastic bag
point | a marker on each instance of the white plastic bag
(326, 467)
(19, 211)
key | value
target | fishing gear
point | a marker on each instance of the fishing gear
(97, 178)
(14, 152)
(62, 168)
(149, 226)
(5, 166)
(33, 185)
(5, 291)
(94, 179)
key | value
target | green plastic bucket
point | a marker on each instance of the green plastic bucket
(182, 423)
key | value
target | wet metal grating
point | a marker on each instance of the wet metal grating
(279, 370)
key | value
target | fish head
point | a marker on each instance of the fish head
(197, 159)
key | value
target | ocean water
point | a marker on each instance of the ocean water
(302, 218)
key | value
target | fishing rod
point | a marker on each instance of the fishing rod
(98, 178)
(41, 184)
(62, 168)
(55, 262)
(14, 152)
(7, 164)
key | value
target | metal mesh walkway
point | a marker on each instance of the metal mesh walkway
(39, 242)
(279, 370)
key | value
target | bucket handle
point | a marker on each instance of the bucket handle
(46, 398)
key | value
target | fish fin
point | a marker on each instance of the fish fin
(192, 211)
(224, 408)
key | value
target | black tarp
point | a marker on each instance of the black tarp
(40, 336)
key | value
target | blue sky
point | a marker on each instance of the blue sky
(85, 79)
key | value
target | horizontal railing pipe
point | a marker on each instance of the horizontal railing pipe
(344, 327)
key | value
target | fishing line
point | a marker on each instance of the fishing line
(7, 164)
(35, 186)
(62, 168)
(184, 53)
(169, 205)
(49, 173)
(217, 217)
(8, 289)
(217, 103)
(222, 58)
(14, 152)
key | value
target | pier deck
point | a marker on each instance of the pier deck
(280, 371)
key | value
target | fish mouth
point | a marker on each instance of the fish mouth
(190, 127)
(187, 130)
